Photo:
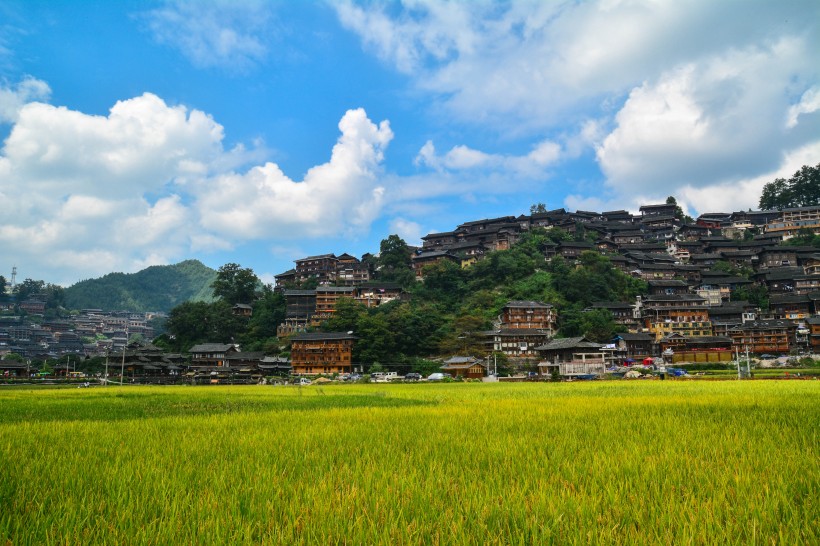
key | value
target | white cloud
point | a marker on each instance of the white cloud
(147, 184)
(233, 35)
(671, 94)
(809, 103)
(13, 98)
(531, 64)
(142, 144)
(338, 196)
(543, 155)
(706, 123)
(406, 229)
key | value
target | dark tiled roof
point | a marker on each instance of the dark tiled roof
(319, 336)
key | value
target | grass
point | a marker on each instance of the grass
(603, 462)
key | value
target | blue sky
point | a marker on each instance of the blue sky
(145, 133)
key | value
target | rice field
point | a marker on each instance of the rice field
(671, 462)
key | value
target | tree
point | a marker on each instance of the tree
(678, 210)
(394, 263)
(538, 208)
(2, 287)
(234, 284)
(801, 190)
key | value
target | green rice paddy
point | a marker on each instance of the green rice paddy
(674, 462)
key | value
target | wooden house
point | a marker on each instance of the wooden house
(424, 259)
(529, 315)
(467, 367)
(764, 336)
(314, 353)
(211, 355)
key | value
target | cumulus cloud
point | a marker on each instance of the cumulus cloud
(148, 184)
(670, 94)
(706, 123)
(140, 146)
(13, 98)
(534, 63)
(342, 194)
(219, 33)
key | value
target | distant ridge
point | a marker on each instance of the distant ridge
(157, 288)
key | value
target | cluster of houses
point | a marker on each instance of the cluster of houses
(688, 315)
(91, 332)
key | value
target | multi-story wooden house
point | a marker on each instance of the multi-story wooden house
(211, 355)
(517, 342)
(323, 268)
(684, 314)
(529, 315)
(791, 306)
(316, 353)
(327, 297)
(765, 336)
(793, 220)
(813, 324)
(424, 259)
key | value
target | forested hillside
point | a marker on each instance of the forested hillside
(444, 315)
(157, 288)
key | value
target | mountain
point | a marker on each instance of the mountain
(157, 288)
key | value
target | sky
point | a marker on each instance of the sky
(139, 133)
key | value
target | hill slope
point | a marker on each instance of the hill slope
(157, 288)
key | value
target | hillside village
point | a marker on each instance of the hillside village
(693, 271)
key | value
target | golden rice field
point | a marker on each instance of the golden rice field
(621, 462)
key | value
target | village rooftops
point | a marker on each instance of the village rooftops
(319, 257)
(322, 336)
(211, 348)
(568, 343)
(528, 304)
(693, 298)
(440, 234)
(294, 293)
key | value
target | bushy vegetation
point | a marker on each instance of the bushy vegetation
(157, 288)
(601, 462)
(801, 190)
(446, 314)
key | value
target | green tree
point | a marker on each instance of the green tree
(235, 284)
(394, 262)
(801, 190)
(3, 284)
(679, 211)
(268, 314)
(538, 208)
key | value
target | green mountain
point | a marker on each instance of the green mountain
(157, 288)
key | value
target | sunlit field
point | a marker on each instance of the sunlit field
(669, 462)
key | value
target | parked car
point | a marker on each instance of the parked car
(437, 376)
(412, 376)
(302, 381)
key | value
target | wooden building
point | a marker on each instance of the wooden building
(529, 314)
(315, 353)
(208, 355)
(467, 367)
(764, 336)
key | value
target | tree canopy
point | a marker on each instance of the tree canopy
(801, 190)
(235, 284)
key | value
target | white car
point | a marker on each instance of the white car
(438, 376)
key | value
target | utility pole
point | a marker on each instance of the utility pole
(122, 369)
(737, 360)
(106, 368)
